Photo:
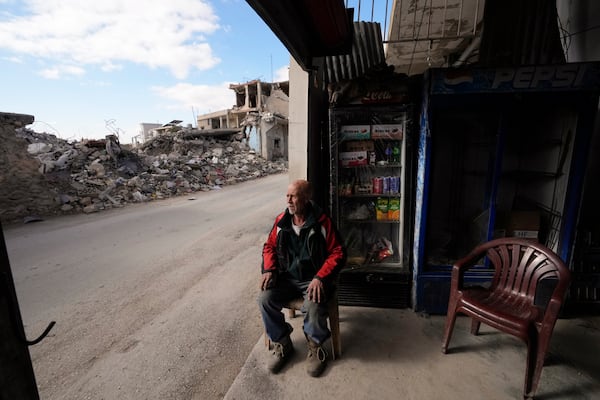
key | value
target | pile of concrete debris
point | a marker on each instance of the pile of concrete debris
(92, 175)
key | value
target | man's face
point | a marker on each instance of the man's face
(295, 200)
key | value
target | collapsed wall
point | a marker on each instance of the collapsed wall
(42, 175)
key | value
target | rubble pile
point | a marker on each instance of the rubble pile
(92, 175)
(23, 190)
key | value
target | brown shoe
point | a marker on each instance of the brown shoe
(282, 352)
(316, 360)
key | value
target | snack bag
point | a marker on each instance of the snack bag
(383, 249)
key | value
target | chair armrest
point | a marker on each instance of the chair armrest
(556, 300)
(462, 265)
(551, 314)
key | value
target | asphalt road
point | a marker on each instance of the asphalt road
(151, 301)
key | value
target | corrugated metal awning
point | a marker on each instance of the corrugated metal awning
(366, 54)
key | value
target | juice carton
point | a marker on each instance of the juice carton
(382, 208)
(394, 209)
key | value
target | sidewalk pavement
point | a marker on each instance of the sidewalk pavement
(396, 354)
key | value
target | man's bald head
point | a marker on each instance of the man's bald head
(298, 195)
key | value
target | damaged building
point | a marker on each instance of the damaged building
(42, 175)
(261, 113)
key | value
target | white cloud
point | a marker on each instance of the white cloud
(60, 71)
(157, 33)
(203, 98)
(50, 73)
(282, 74)
(16, 60)
(108, 67)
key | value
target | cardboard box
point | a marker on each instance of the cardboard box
(525, 234)
(523, 224)
(355, 131)
(389, 131)
(353, 158)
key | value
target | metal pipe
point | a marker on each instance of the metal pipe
(385, 18)
(467, 52)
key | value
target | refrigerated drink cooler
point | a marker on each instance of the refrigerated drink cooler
(369, 192)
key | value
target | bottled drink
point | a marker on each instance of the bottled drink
(396, 153)
(388, 153)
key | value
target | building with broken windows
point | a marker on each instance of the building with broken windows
(261, 113)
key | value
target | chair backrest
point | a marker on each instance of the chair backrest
(521, 266)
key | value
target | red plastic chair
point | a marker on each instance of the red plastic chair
(512, 302)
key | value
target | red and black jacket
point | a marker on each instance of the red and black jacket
(317, 252)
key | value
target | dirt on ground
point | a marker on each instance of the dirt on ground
(153, 301)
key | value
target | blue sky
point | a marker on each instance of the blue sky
(84, 68)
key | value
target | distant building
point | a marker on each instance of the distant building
(223, 119)
(149, 131)
(261, 112)
(145, 133)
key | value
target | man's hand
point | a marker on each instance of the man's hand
(315, 291)
(266, 280)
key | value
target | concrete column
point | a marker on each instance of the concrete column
(247, 98)
(258, 96)
(298, 122)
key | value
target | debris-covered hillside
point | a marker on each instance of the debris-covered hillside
(43, 175)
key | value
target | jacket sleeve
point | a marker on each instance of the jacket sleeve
(269, 253)
(336, 254)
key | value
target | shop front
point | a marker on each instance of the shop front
(501, 152)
